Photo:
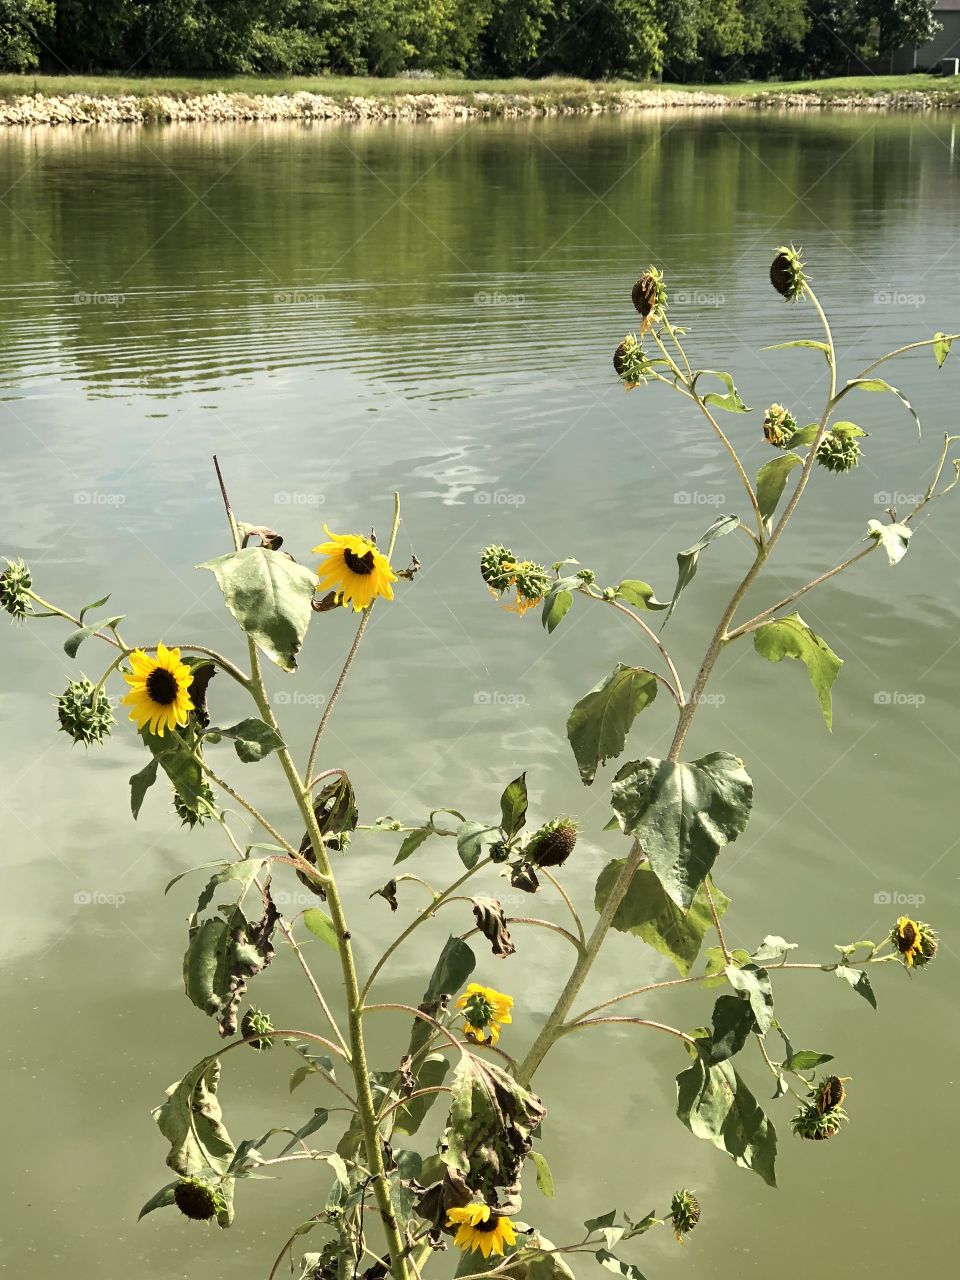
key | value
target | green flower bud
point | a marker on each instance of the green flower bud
(684, 1213)
(499, 852)
(15, 582)
(195, 811)
(778, 426)
(786, 273)
(809, 1123)
(587, 576)
(839, 451)
(84, 715)
(256, 1022)
(631, 363)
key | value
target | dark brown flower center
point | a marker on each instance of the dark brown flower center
(358, 564)
(907, 937)
(162, 687)
(490, 1225)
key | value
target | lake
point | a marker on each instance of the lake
(339, 312)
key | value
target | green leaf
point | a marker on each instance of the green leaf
(557, 602)
(804, 435)
(640, 595)
(472, 837)
(253, 740)
(806, 1060)
(715, 1104)
(878, 384)
(411, 843)
(773, 950)
(192, 1122)
(859, 981)
(800, 342)
(599, 723)
(731, 401)
(76, 638)
(322, 927)
(454, 966)
(179, 765)
(894, 538)
(642, 1225)
(616, 1265)
(687, 560)
(162, 1199)
(941, 349)
(97, 604)
(683, 815)
(140, 784)
(244, 872)
(754, 983)
(544, 1176)
(771, 481)
(790, 637)
(733, 1024)
(650, 915)
(429, 1073)
(271, 598)
(513, 806)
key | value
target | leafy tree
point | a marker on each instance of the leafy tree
(616, 38)
(22, 24)
(512, 41)
(900, 22)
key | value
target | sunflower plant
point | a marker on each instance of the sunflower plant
(385, 1208)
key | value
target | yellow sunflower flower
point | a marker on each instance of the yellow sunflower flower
(485, 1011)
(159, 689)
(354, 570)
(908, 937)
(480, 1227)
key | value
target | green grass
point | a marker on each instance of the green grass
(552, 89)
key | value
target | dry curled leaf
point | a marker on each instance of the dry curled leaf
(492, 923)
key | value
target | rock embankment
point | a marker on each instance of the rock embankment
(81, 108)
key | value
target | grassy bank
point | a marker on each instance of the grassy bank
(52, 100)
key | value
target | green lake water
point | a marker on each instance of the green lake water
(339, 312)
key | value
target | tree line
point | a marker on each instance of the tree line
(682, 40)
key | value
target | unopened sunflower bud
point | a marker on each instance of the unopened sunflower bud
(257, 1023)
(839, 451)
(779, 424)
(15, 583)
(553, 844)
(649, 294)
(198, 1199)
(493, 570)
(631, 363)
(916, 942)
(586, 576)
(684, 1213)
(786, 273)
(84, 712)
(195, 810)
(499, 852)
(809, 1123)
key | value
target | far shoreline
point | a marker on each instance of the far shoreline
(48, 101)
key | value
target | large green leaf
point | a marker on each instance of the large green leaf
(790, 637)
(754, 983)
(771, 481)
(715, 1104)
(687, 560)
(733, 1023)
(878, 384)
(140, 784)
(179, 764)
(76, 638)
(192, 1122)
(640, 594)
(599, 723)
(649, 914)
(513, 806)
(270, 596)
(253, 739)
(223, 952)
(557, 602)
(683, 815)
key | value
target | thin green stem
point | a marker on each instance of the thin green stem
(676, 688)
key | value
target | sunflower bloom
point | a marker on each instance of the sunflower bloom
(908, 937)
(481, 1228)
(354, 570)
(485, 1011)
(159, 696)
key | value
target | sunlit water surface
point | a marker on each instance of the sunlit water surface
(341, 312)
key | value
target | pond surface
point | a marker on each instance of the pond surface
(338, 312)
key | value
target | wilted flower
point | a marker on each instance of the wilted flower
(553, 844)
(916, 942)
(684, 1213)
(649, 294)
(84, 712)
(501, 572)
(822, 1117)
(779, 424)
(481, 1228)
(786, 273)
(198, 1199)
